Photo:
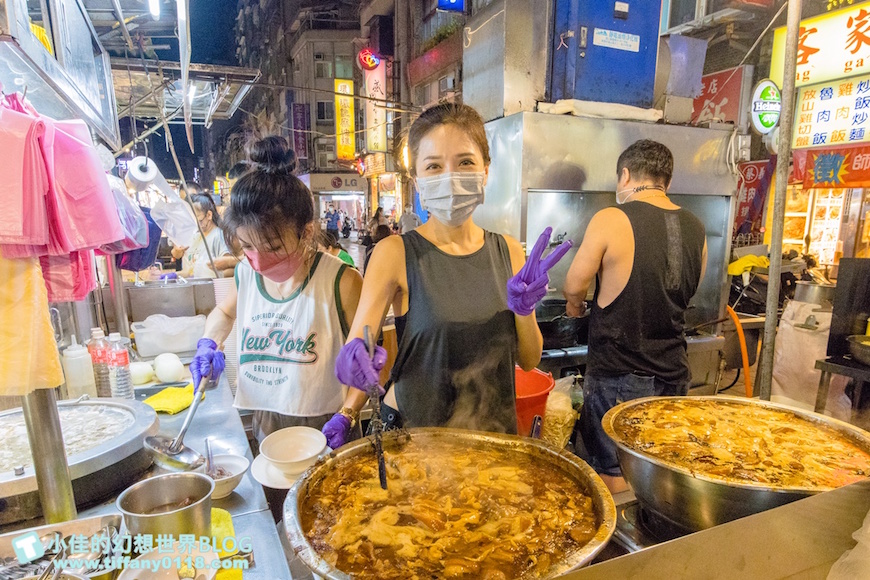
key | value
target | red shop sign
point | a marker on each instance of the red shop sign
(720, 97)
(833, 167)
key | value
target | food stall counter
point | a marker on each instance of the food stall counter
(216, 418)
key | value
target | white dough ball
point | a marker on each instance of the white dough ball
(141, 372)
(168, 367)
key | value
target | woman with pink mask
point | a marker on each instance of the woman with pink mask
(293, 304)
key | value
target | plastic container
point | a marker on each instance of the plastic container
(98, 348)
(120, 380)
(533, 388)
(78, 371)
(160, 333)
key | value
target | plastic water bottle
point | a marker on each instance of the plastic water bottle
(98, 347)
(120, 381)
(78, 371)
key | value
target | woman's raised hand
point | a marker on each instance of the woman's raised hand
(529, 285)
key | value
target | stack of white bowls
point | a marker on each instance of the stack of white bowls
(222, 287)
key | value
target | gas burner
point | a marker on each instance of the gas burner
(638, 527)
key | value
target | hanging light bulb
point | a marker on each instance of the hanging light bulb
(154, 8)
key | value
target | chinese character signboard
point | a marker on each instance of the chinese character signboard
(301, 125)
(719, 100)
(345, 139)
(376, 115)
(833, 113)
(752, 185)
(830, 46)
(834, 167)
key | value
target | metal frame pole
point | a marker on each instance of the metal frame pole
(786, 119)
(49, 456)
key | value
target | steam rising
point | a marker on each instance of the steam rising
(480, 402)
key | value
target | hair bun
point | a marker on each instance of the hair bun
(273, 155)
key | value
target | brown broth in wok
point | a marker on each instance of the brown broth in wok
(450, 512)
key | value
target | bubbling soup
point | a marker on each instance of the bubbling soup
(451, 511)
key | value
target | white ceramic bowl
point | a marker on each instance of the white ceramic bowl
(237, 466)
(294, 449)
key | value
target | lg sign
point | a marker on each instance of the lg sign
(336, 182)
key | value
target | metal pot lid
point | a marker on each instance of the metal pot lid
(104, 454)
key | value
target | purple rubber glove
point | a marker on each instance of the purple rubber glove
(208, 362)
(169, 276)
(529, 286)
(354, 368)
(336, 430)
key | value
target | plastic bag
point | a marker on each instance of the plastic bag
(142, 258)
(69, 278)
(133, 221)
(28, 353)
(176, 219)
(854, 563)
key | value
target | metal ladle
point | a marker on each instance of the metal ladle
(172, 453)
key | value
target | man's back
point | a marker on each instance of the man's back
(650, 269)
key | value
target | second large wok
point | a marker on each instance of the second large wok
(695, 501)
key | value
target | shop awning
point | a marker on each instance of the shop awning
(835, 167)
(216, 91)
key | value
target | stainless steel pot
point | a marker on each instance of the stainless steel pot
(694, 501)
(569, 463)
(813, 293)
(138, 501)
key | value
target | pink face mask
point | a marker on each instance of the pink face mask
(274, 266)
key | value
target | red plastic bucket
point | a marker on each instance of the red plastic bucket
(533, 387)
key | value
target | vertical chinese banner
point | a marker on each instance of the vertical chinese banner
(376, 115)
(301, 126)
(752, 185)
(344, 123)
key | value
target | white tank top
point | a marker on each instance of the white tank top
(287, 348)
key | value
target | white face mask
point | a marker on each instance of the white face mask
(451, 197)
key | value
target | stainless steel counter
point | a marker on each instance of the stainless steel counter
(216, 418)
(798, 541)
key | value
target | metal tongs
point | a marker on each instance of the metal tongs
(374, 390)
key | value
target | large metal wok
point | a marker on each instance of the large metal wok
(694, 501)
(575, 468)
(557, 328)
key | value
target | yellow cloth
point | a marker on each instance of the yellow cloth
(746, 263)
(172, 400)
(222, 527)
(28, 353)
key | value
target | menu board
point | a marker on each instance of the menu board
(833, 113)
(825, 229)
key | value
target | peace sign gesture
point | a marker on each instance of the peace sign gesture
(529, 285)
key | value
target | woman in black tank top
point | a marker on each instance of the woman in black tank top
(448, 284)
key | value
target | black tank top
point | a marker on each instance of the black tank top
(641, 331)
(457, 342)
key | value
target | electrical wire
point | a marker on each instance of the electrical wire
(754, 46)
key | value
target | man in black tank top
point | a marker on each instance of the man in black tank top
(647, 256)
